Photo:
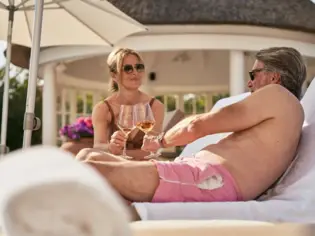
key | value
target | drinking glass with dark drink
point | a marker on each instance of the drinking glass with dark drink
(126, 122)
(144, 120)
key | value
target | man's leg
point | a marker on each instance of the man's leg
(134, 180)
(97, 155)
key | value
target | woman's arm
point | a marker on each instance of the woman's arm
(100, 123)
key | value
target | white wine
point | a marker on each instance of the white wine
(145, 126)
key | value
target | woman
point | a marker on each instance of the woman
(126, 69)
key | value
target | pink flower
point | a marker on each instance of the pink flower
(83, 127)
(80, 119)
(88, 122)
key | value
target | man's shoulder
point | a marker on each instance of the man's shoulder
(274, 92)
(278, 98)
(273, 88)
(274, 97)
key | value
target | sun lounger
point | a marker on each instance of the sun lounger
(219, 228)
(172, 118)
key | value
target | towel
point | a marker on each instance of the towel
(45, 191)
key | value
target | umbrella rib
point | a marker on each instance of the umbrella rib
(130, 20)
(3, 6)
(83, 23)
(22, 3)
(32, 7)
(28, 25)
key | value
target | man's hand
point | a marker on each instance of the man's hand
(117, 142)
(150, 144)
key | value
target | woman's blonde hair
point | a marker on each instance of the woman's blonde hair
(115, 63)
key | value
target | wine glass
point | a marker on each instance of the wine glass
(144, 120)
(126, 123)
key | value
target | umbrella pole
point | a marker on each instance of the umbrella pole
(30, 121)
(5, 101)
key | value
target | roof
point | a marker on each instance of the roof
(285, 14)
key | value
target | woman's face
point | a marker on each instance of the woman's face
(131, 73)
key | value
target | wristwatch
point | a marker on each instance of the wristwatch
(161, 140)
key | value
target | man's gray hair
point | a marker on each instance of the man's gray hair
(289, 63)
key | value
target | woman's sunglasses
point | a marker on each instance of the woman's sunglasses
(129, 68)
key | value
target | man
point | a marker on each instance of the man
(265, 126)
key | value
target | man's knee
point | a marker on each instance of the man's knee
(93, 154)
(84, 154)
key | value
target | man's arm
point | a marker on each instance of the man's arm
(265, 104)
(181, 133)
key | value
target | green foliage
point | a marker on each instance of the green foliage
(18, 92)
(160, 98)
(89, 104)
(216, 98)
(200, 101)
(171, 102)
(200, 104)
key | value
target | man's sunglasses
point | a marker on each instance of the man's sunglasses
(129, 68)
(253, 73)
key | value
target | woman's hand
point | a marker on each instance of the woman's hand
(150, 143)
(117, 142)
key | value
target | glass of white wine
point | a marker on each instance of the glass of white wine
(126, 123)
(144, 120)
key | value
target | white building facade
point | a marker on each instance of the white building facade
(184, 59)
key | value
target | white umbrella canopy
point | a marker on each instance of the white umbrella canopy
(36, 23)
(68, 22)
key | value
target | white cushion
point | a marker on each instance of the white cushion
(308, 103)
(292, 200)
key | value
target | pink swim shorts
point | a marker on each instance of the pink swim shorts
(194, 180)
